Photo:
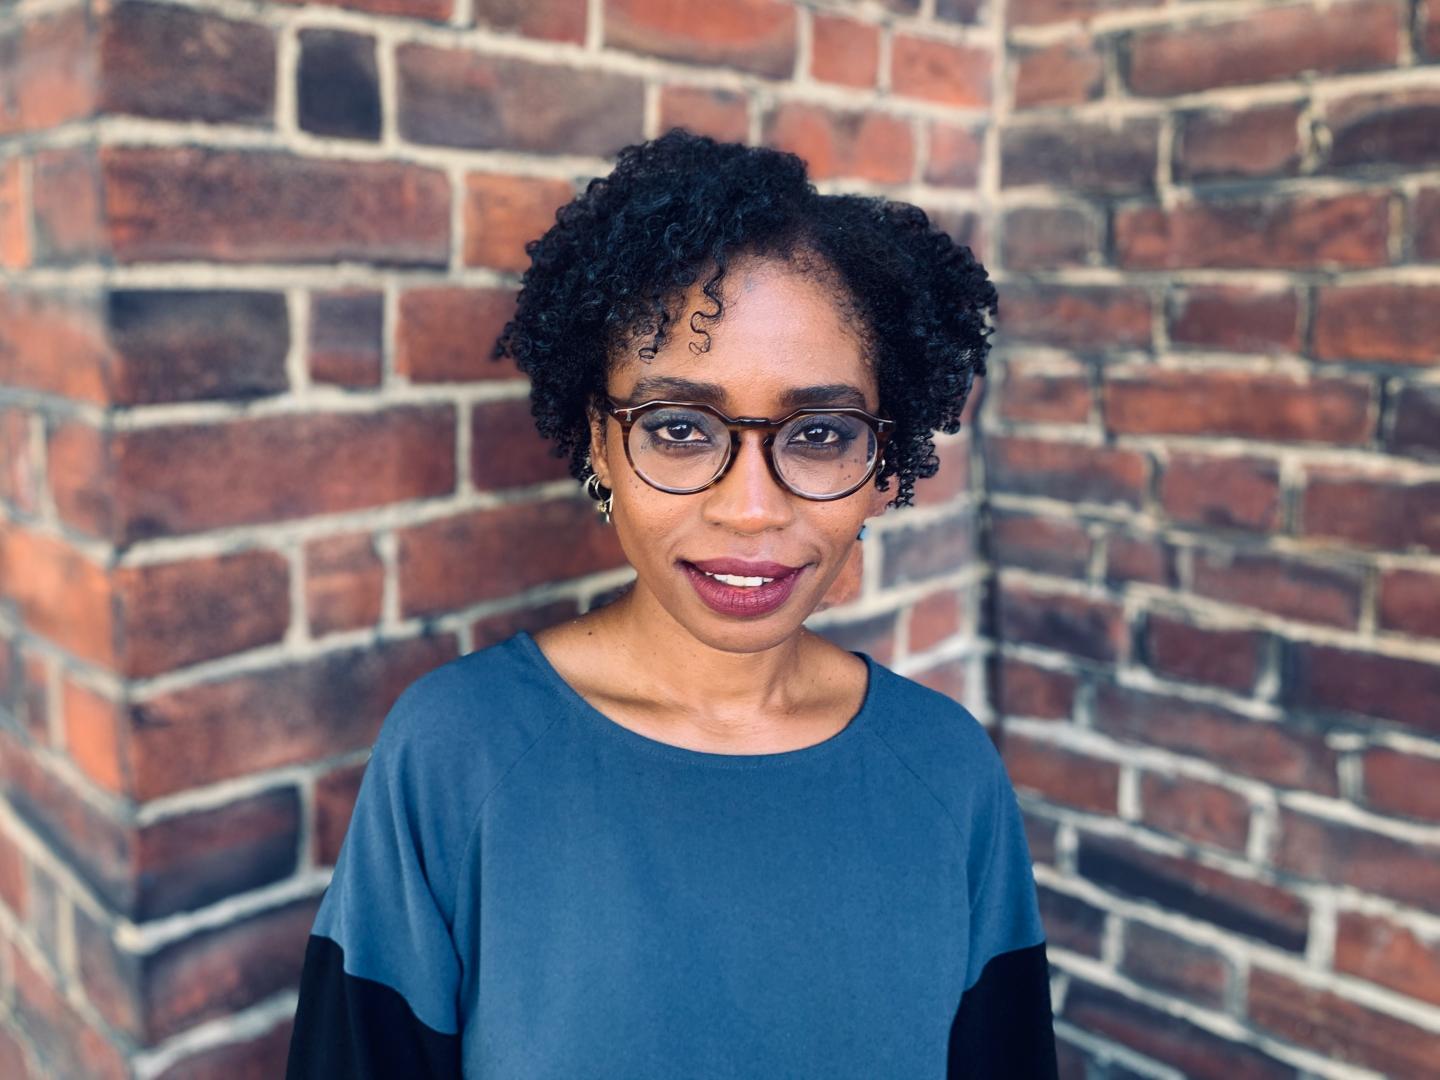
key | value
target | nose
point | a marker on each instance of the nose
(748, 499)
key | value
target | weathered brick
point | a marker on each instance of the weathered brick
(957, 11)
(1265, 46)
(338, 91)
(1045, 393)
(1175, 965)
(335, 795)
(1416, 427)
(490, 629)
(860, 145)
(1040, 836)
(1332, 679)
(1408, 602)
(721, 114)
(1343, 854)
(250, 1056)
(1050, 237)
(1392, 323)
(1089, 157)
(66, 1043)
(1225, 658)
(1340, 1029)
(1304, 232)
(1048, 545)
(1083, 626)
(1024, 689)
(1224, 492)
(1039, 12)
(507, 451)
(1203, 812)
(1071, 923)
(1276, 752)
(934, 620)
(432, 10)
(753, 35)
(1063, 470)
(92, 725)
(487, 554)
(14, 879)
(1401, 783)
(956, 152)
(1397, 128)
(1252, 908)
(177, 63)
(1082, 317)
(551, 20)
(15, 240)
(1069, 72)
(49, 74)
(19, 485)
(65, 196)
(939, 70)
(953, 477)
(1384, 952)
(248, 722)
(947, 677)
(344, 583)
(445, 333)
(874, 635)
(1220, 144)
(166, 203)
(60, 594)
(504, 213)
(844, 50)
(918, 552)
(1430, 28)
(345, 337)
(1235, 318)
(1371, 510)
(1282, 585)
(1068, 777)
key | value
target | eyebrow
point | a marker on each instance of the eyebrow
(674, 388)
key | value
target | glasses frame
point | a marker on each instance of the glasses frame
(882, 428)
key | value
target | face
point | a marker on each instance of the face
(781, 332)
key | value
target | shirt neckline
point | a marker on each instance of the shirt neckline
(686, 755)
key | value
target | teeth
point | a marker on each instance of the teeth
(731, 579)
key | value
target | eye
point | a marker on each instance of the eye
(821, 435)
(675, 429)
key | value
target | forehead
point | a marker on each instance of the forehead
(784, 340)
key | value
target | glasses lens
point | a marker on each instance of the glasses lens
(678, 448)
(825, 453)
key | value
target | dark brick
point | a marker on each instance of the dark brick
(1037, 543)
(1050, 237)
(1223, 492)
(1400, 128)
(1281, 585)
(1199, 811)
(1026, 690)
(1170, 963)
(1083, 626)
(1408, 602)
(344, 583)
(1416, 427)
(1088, 157)
(1070, 922)
(338, 90)
(1088, 318)
(345, 333)
(1332, 679)
(550, 20)
(1263, 141)
(1225, 658)
(1371, 511)
(1071, 471)
(1068, 777)
(917, 552)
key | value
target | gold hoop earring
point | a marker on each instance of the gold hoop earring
(592, 488)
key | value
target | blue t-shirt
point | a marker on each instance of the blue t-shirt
(529, 890)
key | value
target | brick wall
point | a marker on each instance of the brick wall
(251, 255)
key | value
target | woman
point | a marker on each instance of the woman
(682, 835)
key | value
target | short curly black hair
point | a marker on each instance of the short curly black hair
(608, 275)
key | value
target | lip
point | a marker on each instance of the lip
(740, 600)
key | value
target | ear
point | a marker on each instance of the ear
(598, 424)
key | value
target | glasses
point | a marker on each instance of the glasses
(682, 447)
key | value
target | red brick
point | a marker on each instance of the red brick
(1039, 12)
(60, 595)
(1069, 72)
(1283, 408)
(1305, 232)
(1071, 923)
(1174, 965)
(1409, 602)
(1425, 218)
(1371, 510)
(1088, 157)
(1416, 426)
(165, 203)
(433, 10)
(175, 63)
(1083, 317)
(1235, 318)
(1080, 625)
(1397, 324)
(344, 583)
(1395, 128)
(947, 677)
(919, 552)
(345, 332)
(247, 1058)
(1281, 585)
(1046, 393)
(1403, 784)
(1265, 46)
(858, 145)
(953, 477)
(18, 484)
(335, 795)
(1240, 905)
(445, 333)
(1225, 658)
(14, 1059)
(1430, 28)
(1332, 679)
(1047, 545)
(721, 114)
(551, 20)
(1273, 751)
(450, 563)
(1199, 811)
(68, 218)
(955, 155)
(939, 71)
(14, 215)
(498, 627)
(753, 35)
(1340, 1030)
(93, 732)
(67, 1044)
(1068, 777)
(1027, 690)
(248, 722)
(14, 881)
(1341, 854)
(34, 699)
(1071, 471)
(48, 71)
(935, 620)
(1050, 237)
(1263, 141)
(874, 635)
(1384, 952)
(1225, 492)
(844, 50)
(507, 451)
(504, 213)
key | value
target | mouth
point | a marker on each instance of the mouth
(740, 588)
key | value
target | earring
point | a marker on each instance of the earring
(592, 488)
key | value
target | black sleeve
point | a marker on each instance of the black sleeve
(1003, 1029)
